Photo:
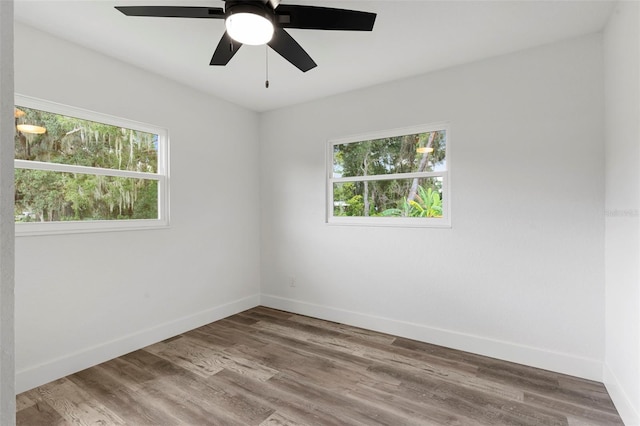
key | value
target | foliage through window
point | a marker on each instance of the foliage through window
(399, 177)
(76, 170)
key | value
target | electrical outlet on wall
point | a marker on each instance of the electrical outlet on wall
(292, 281)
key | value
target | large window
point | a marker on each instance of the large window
(80, 171)
(399, 177)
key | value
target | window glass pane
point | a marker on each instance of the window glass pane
(389, 198)
(55, 138)
(419, 152)
(46, 196)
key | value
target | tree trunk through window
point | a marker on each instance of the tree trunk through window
(423, 165)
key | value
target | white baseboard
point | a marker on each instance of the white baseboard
(629, 414)
(554, 361)
(44, 373)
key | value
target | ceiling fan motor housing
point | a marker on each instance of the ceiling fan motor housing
(254, 7)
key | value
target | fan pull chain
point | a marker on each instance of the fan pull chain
(266, 55)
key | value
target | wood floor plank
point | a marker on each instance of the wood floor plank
(127, 376)
(377, 353)
(311, 348)
(349, 410)
(197, 360)
(540, 382)
(480, 406)
(126, 403)
(579, 413)
(421, 411)
(285, 402)
(269, 313)
(23, 401)
(75, 405)
(208, 404)
(193, 355)
(345, 329)
(115, 384)
(39, 413)
(279, 419)
(265, 367)
(321, 364)
(228, 332)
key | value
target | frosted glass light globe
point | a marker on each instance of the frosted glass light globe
(249, 28)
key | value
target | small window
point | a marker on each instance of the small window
(80, 171)
(398, 177)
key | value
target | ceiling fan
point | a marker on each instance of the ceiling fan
(257, 22)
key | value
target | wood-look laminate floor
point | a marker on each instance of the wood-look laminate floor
(268, 367)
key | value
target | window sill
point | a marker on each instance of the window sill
(387, 222)
(62, 228)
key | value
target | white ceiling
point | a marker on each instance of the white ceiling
(409, 38)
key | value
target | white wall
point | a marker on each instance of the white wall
(622, 223)
(7, 355)
(520, 274)
(82, 299)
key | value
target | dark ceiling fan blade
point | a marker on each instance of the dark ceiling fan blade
(289, 49)
(227, 47)
(324, 18)
(173, 11)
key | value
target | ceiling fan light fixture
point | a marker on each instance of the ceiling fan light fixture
(259, 22)
(249, 26)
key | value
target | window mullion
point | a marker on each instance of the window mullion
(70, 168)
(388, 177)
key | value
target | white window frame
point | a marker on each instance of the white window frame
(71, 227)
(443, 222)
